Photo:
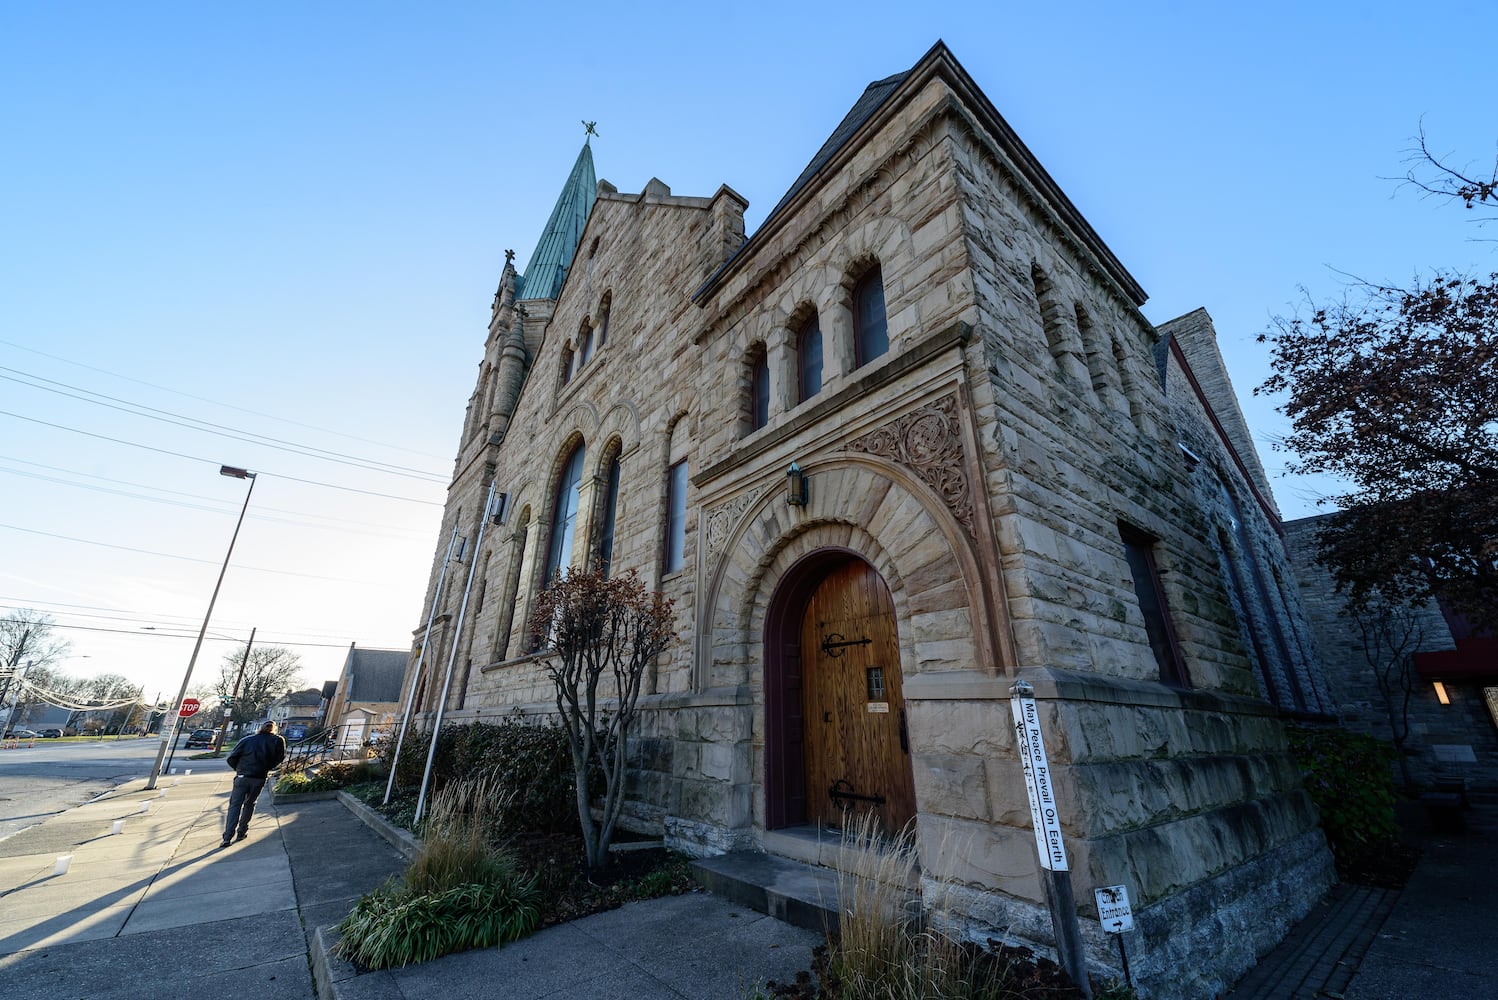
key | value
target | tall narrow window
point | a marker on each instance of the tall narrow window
(603, 319)
(1139, 550)
(564, 515)
(870, 328)
(809, 359)
(566, 365)
(584, 346)
(759, 390)
(610, 511)
(676, 517)
(517, 566)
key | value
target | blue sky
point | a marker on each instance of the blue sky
(289, 219)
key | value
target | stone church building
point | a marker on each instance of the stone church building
(908, 443)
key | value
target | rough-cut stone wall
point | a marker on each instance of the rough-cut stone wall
(982, 466)
(1465, 722)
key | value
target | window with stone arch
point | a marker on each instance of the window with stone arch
(1126, 380)
(808, 333)
(564, 513)
(870, 325)
(567, 363)
(609, 510)
(674, 533)
(517, 568)
(1097, 366)
(1050, 313)
(603, 318)
(584, 344)
(759, 387)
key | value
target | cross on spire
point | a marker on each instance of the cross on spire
(590, 130)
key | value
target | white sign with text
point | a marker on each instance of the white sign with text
(1113, 910)
(1043, 812)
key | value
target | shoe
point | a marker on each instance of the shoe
(223, 844)
(238, 838)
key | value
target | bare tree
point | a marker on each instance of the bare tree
(599, 631)
(27, 636)
(1392, 632)
(270, 672)
(1433, 174)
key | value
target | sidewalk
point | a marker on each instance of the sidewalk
(1435, 938)
(161, 908)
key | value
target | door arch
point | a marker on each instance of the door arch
(835, 733)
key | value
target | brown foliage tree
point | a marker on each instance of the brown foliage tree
(1396, 390)
(1436, 176)
(270, 672)
(599, 631)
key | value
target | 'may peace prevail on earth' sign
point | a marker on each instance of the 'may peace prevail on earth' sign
(1038, 784)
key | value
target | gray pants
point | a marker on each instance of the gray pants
(242, 804)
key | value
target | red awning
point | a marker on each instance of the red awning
(1473, 659)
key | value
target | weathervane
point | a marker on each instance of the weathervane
(592, 130)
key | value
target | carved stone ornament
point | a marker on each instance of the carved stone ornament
(723, 519)
(928, 441)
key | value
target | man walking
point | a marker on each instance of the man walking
(252, 758)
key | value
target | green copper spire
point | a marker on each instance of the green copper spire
(553, 255)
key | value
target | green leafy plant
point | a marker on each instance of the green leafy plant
(459, 892)
(1350, 778)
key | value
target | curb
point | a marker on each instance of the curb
(400, 839)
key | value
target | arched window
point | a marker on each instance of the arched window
(870, 327)
(674, 555)
(603, 318)
(564, 515)
(584, 345)
(809, 358)
(517, 566)
(610, 517)
(759, 389)
(566, 365)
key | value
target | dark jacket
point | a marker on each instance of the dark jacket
(258, 755)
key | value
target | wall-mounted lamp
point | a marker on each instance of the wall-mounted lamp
(1441, 694)
(459, 548)
(500, 510)
(797, 487)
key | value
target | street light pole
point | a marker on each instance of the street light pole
(170, 722)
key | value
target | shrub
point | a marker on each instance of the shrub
(325, 777)
(1349, 776)
(527, 763)
(459, 892)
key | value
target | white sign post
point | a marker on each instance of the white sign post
(1046, 819)
(1116, 916)
(1031, 747)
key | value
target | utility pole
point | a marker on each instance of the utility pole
(244, 661)
(20, 689)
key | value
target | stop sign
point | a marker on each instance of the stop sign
(189, 707)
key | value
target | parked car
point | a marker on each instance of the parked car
(21, 734)
(201, 738)
(50, 734)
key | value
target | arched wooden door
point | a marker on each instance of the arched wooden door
(857, 751)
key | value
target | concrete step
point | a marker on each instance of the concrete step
(799, 894)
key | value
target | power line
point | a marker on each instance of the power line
(193, 423)
(406, 534)
(219, 402)
(199, 458)
(184, 629)
(140, 633)
(169, 555)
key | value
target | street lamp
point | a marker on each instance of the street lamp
(170, 722)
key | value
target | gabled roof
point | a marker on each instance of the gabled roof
(873, 109)
(547, 268)
(375, 674)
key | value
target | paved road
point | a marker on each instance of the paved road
(41, 781)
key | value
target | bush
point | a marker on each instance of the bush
(460, 892)
(527, 763)
(1350, 778)
(326, 777)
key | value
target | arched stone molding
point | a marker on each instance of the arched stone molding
(622, 421)
(884, 513)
